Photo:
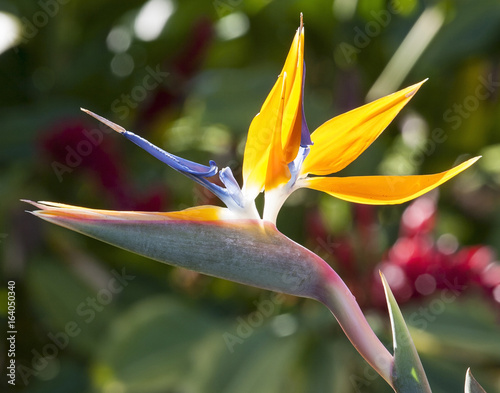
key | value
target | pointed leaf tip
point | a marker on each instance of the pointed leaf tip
(471, 385)
(408, 374)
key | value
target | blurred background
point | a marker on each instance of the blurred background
(189, 76)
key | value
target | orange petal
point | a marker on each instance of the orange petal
(382, 190)
(260, 139)
(52, 211)
(261, 131)
(339, 141)
(292, 115)
(277, 169)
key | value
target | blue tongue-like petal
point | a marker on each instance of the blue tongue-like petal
(177, 163)
(305, 136)
(231, 195)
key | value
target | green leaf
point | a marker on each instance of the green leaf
(152, 347)
(471, 385)
(408, 374)
(62, 300)
(163, 345)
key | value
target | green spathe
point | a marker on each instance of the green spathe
(245, 251)
(251, 252)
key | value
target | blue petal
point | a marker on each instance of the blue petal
(232, 186)
(231, 195)
(177, 163)
(305, 137)
(296, 164)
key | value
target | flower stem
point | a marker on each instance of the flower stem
(341, 302)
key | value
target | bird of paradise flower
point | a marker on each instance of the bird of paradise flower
(281, 156)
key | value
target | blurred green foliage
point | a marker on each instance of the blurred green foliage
(193, 90)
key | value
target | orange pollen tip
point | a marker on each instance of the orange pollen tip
(109, 123)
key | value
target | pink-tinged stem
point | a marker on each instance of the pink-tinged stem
(341, 302)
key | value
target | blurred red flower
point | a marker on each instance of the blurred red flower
(76, 149)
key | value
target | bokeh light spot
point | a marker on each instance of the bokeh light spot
(232, 26)
(152, 18)
(284, 325)
(447, 244)
(394, 275)
(403, 250)
(119, 39)
(425, 284)
(481, 258)
(490, 276)
(414, 131)
(496, 293)
(10, 31)
(421, 210)
(122, 65)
